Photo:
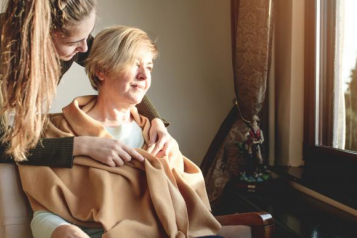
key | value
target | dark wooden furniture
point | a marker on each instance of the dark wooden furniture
(261, 223)
(295, 214)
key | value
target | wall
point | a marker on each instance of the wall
(289, 81)
(192, 80)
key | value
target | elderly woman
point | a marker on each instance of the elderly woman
(162, 196)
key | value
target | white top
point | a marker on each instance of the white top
(44, 223)
(130, 134)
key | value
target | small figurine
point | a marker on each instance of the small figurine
(255, 139)
(253, 169)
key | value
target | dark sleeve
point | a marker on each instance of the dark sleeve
(53, 152)
(147, 109)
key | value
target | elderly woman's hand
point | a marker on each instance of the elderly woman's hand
(106, 150)
(160, 137)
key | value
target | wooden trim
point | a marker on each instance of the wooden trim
(247, 219)
(327, 153)
(261, 223)
(310, 72)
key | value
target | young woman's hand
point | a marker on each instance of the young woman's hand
(106, 150)
(160, 137)
(69, 231)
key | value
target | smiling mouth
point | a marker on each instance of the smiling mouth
(136, 86)
(68, 57)
(73, 54)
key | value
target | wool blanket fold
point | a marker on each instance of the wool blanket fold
(160, 197)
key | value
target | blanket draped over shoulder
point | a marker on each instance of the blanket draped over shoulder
(160, 197)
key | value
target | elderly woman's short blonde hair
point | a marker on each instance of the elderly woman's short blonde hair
(113, 49)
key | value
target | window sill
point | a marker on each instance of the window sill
(338, 189)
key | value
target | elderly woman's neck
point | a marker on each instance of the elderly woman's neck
(110, 112)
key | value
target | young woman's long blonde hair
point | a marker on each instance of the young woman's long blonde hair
(30, 66)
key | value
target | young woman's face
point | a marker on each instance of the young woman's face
(131, 86)
(75, 41)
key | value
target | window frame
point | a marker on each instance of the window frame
(312, 151)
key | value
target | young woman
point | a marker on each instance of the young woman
(40, 39)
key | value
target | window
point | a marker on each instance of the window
(331, 77)
(330, 100)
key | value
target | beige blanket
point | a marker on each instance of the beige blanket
(160, 197)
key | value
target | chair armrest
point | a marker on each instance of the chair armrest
(261, 223)
(248, 219)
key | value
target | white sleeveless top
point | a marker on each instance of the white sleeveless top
(130, 134)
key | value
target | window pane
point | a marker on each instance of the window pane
(337, 73)
(348, 70)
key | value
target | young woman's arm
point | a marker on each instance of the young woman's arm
(147, 109)
(56, 152)
(60, 152)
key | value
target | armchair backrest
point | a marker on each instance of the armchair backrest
(15, 211)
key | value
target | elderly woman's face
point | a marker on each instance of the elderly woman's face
(131, 86)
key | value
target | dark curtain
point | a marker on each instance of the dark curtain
(251, 22)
